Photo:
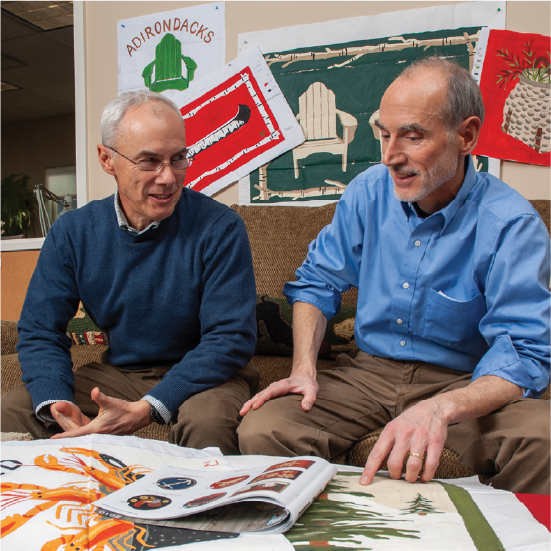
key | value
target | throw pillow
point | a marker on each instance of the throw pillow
(274, 336)
(82, 330)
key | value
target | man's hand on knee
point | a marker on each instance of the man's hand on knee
(295, 384)
(419, 430)
(308, 329)
(115, 417)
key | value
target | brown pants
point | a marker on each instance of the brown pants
(510, 446)
(209, 418)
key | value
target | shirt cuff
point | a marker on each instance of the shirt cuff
(160, 407)
(502, 360)
(42, 415)
(294, 295)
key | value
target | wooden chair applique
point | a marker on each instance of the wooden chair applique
(318, 118)
(376, 130)
(168, 67)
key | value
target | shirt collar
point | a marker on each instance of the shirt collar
(449, 211)
(123, 222)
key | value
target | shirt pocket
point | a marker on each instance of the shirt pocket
(452, 321)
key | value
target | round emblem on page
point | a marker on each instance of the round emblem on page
(148, 502)
(176, 483)
(204, 500)
(228, 482)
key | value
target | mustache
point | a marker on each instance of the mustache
(402, 169)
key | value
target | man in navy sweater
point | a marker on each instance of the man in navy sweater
(167, 273)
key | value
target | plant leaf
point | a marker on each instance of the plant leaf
(18, 202)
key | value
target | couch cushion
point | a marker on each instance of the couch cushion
(15, 437)
(154, 432)
(279, 238)
(543, 206)
(9, 337)
(274, 318)
(11, 372)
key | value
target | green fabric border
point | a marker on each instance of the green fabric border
(479, 529)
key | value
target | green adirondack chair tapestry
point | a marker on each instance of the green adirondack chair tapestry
(168, 67)
(335, 91)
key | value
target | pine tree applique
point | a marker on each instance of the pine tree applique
(420, 505)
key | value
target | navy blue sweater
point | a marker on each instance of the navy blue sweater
(183, 293)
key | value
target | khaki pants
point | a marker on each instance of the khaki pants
(209, 418)
(510, 447)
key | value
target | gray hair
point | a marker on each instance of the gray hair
(116, 109)
(464, 98)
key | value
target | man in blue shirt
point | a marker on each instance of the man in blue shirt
(452, 271)
(167, 273)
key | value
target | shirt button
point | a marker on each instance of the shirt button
(399, 321)
(402, 343)
(405, 285)
(418, 243)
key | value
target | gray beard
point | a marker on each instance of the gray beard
(442, 171)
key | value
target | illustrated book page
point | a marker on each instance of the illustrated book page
(170, 493)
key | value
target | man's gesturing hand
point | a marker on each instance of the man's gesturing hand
(68, 415)
(115, 416)
(422, 428)
(295, 384)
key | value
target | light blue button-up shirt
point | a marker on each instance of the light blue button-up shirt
(466, 288)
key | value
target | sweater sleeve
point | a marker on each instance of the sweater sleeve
(51, 301)
(227, 318)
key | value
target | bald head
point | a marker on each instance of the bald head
(463, 98)
(420, 95)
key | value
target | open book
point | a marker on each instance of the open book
(267, 499)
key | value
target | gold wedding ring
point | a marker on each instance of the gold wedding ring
(420, 456)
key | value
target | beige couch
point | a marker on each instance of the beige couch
(279, 239)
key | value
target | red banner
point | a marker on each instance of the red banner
(226, 128)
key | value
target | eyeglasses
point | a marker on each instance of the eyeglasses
(151, 165)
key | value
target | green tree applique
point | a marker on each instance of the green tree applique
(420, 505)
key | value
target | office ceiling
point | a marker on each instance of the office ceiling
(38, 78)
